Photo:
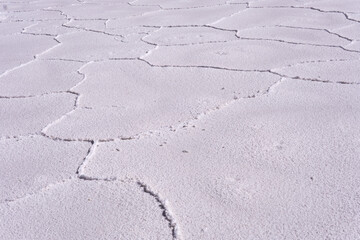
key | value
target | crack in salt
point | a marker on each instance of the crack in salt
(166, 212)
(90, 152)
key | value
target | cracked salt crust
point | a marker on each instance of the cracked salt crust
(281, 161)
(340, 71)
(295, 35)
(35, 162)
(355, 45)
(141, 103)
(276, 3)
(354, 16)
(295, 17)
(97, 47)
(44, 76)
(26, 47)
(36, 15)
(244, 55)
(182, 4)
(76, 209)
(12, 27)
(333, 5)
(350, 31)
(48, 28)
(221, 119)
(187, 36)
(106, 11)
(18, 118)
(196, 16)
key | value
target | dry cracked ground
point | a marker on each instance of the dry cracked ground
(164, 119)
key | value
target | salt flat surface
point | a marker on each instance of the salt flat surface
(164, 119)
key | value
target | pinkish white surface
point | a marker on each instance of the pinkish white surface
(186, 119)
